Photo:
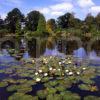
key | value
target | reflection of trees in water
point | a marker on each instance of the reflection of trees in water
(43, 46)
(96, 47)
(33, 44)
(68, 45)
(32, 47)
(71, 46)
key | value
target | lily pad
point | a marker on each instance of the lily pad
(92, 98)
(20, 96)
(42, 94)
(3, 84)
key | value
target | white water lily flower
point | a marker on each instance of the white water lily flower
(40, 71)
(70, 73)
(63, 74)
(63, 61)
(50, 68)
(59, 69)
(84, 68)
(46, 62)
(78, 73)
(45, 74)
(54, 69)
(38, 79)
(36, 73)
(69, 62)
(59, 63)
(66, 70)
(33, 61)
(50, 57)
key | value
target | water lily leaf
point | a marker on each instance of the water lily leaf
(51, 90)
(2, 71)
(84, 87)
(24, 88)
(42, 94)
(19, 88)
(92, 98)
(3, 84)
(57, 97)
(70, 96)
(50, 97)
(60, 88)
(45, 79)
(53, 83)
(12, 88)
(20, 96)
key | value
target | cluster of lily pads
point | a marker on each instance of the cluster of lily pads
(56, 75)
(16, 54)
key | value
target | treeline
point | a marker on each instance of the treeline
(35, 24)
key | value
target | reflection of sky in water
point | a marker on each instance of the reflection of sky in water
(26, 55)
(5, 57)
(80, 53)
(53, 52)
(93, 56)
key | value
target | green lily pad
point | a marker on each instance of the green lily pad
(20, 96)
(70, 96)
(53, 83)
(3, 84)
(19, 88)
(92, 98)
(84, 87)
(2, 71)
(42, 94)
(57, 97)
(50, 97)
(60, 88)
(12, 88)
(51, 90)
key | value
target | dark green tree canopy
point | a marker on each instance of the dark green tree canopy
(41, 24)
(32, 20)
(66, 21)
(13, 17)
(89, 20)
(97, 18)
(1, 23)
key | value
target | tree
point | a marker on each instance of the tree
(51, 25)
(41, 28)
(12, 18)
(97, 18)
(32, 20)
(89, 20)
(77, 23)
(66, 21)
(1, 23)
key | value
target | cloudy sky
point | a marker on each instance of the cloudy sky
(52, 8)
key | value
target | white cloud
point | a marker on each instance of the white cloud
(95, 9)
(85, 3)
(63, 0)
(57, 13)
(57, 9)
(44, 10)
(12, 3)
(3, 15)
(62, 7)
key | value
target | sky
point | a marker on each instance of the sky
(52, 8)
